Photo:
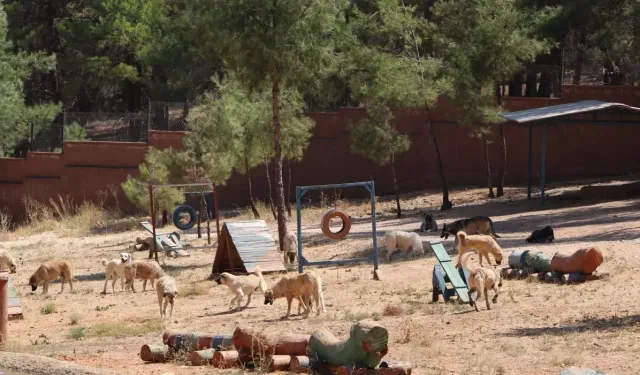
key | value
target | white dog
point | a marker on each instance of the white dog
(243, 285)
(290, 248)
(167, 291)
(405, 241)
(114, 269)
(7, 261)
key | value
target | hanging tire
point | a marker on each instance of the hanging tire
(178, 214)
(326, 220)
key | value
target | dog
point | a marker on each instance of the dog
(406, 241)
(481, 243)
(7, 261)
(141, 270)
(303, 287)
(543, 235)
(243, 285)
(114, 269)
(474, 225)
(167, 291)
(290, 247)
(482, 279)
(48, 272)
(428, 224)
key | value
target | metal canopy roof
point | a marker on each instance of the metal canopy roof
(554, 111)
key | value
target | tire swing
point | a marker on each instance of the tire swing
(177, 217)
(326, 221)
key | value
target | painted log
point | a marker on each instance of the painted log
(343, 370)
(197, 341)
(154, 353)
(366, 345)
(299, 364)
(275, 343)
(202, 357)
(279, 362)
(583, 260)
(230, 358)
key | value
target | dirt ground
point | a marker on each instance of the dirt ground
(536, 328)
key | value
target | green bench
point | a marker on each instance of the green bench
(446, 273)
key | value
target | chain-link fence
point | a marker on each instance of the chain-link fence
(584, 66)
(106, 126)
(168, 116)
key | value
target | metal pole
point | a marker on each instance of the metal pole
(153, 249)
(543, 179)
(373, 226)
(216, 212)
(4, 308)
(529, 162)
(299, 222)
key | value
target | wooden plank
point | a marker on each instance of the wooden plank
(453, 274)
(15, 307)
(440, 252)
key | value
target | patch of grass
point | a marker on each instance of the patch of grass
(193, 290)
(354, 317)
(75, 319)
(121, 329)
(76, 333)
(47, 309)
(103, 308)
(377, 317)
(393, 310)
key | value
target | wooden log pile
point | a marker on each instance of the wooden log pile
(275, 351)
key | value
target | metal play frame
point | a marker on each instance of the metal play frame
(302, 190)
(152, 189)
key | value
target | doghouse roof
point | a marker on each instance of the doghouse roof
(561, 110)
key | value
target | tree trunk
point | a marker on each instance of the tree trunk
(515, 86)
(282, 214)
(256, 214)
(446, 203)
(486, 160)
(273, 208)
(395, 186)
(531, 86)
(288, 202)
(503, 151)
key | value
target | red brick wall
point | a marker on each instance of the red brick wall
(84, 170)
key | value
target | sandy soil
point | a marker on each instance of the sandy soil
(535, 328)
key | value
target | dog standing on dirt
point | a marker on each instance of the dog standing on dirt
(474, 225)
(428, 224)
(141, 270)
(167, 291)
(302, 287)
(114, 269)
(544, 235)
(48, 272)
(241, 285)
(406, 241)
(481, 243)
(290, 247)
(7, 261)
(482, 279)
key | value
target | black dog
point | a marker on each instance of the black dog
(428, 224)
(542, 235)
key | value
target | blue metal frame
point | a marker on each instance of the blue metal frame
(543, 167)
(302, 190)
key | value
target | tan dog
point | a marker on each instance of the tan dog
(302, 287)
(290, 247)
(48, 272)
(482, 278)
(142, 270)
(243, 285)
(114, 269)
(167, 291)
(481, 243)
(6, 260)
(405, 241)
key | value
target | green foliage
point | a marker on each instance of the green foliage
(76, 333)
(376, 138)
(74, 132)
(159, 167)
(47, 309)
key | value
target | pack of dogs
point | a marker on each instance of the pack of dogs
(472, 235)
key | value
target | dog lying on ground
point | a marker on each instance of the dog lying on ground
(481, 243)
(405, 241)
(474, 225)
(114, 269)
(7, 261)
(542, 235)
(141, 270)
(428, 224)
(241, 285)
(167, 291)
(482, 279)
(303, 287)
(290, 247)
(48, 272)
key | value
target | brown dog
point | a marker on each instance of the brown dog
(482, 279)
(481, 243)
(48, 272)
(142, 270)
(302, 287)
